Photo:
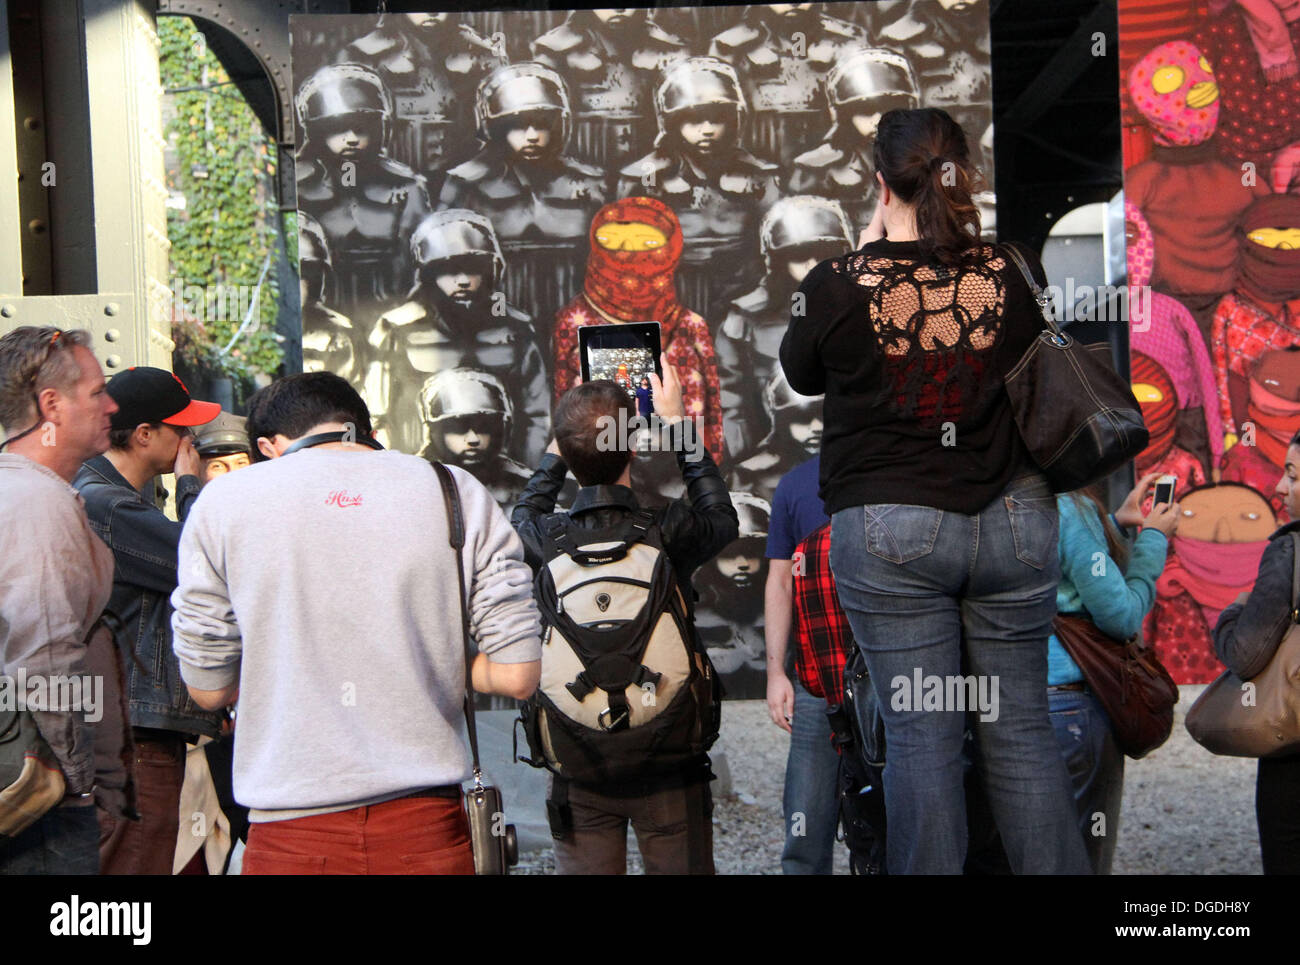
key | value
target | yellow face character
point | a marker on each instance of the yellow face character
(630, 236)
(1286, 239)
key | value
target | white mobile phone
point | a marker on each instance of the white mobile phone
(1165, 488)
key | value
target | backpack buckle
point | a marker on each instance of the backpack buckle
(607, 719)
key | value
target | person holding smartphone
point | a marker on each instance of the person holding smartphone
(1114, 586)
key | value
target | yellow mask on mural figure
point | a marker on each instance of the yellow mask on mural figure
(1226, 514)
(1288, 239)
(1147, 393)
(630, 236)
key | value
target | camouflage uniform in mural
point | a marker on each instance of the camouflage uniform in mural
(796, 436)
(717, 189)
(467, 418)
(948, 44)
(782, 53)
(860, 88)
(367, 203)
(457, 316)
(611, 59)
(540, 201)
(431, 65)
(330, 343)
(796, 234)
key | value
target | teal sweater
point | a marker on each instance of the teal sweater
(1092, 583)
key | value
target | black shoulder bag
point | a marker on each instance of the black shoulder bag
(1077, 417)
(495, 846)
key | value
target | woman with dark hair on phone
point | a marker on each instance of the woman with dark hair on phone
(944, 532)
(1246, 638)
(1113, 585)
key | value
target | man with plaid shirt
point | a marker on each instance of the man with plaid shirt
(809, 800)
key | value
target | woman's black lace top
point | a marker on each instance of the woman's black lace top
(910, 354)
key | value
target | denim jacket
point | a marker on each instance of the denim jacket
(1247, 635)
(144, 543)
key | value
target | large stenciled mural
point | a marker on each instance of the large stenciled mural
(1211, 95)
(465, 183)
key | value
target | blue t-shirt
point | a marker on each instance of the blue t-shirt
(797, 510)
(645, 401)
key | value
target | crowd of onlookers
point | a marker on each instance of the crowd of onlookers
(304, 598)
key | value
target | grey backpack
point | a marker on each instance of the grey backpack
(627, 691)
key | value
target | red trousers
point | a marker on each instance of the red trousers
(408, 836)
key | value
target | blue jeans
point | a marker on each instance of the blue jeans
(810, 801)
(1096, 770)
(952, 613)
(64, 841)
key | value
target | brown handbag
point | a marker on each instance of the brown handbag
(1224, 722)
(1078, 418)
(1129, 680)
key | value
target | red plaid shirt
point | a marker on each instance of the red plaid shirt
(821, 629)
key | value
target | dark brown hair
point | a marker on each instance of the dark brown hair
(292, 405)
(593, 426)
(1088, 500)
(925, 160)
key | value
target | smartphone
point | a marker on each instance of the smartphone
(1165, 488)
(620, 353)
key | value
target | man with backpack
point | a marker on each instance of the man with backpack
(629, 703)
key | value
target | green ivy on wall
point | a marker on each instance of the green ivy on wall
(223, 220)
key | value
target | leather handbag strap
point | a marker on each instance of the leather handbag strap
(456, 536)
(1295, 579)
(1040, 296)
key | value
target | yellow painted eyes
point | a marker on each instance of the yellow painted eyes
(1147, 393)
(1168, 79)
(630, 236)
(1205, 65)
(1288, 239)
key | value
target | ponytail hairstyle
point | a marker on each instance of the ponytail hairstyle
(925, 160)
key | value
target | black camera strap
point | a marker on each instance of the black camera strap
(456, 534)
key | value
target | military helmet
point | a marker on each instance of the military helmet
(699, 82)
(801, 220)
(456, 393)
(518, 89)
(342, 90)
(882, 78)
(454, 233)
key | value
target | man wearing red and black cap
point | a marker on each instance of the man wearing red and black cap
(151, 435)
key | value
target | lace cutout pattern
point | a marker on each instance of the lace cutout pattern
(937, 327)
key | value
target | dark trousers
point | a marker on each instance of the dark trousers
(407, 836)
(147, 846)
(62, 842)
(1277, 808)
(674, 831)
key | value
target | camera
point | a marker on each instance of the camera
(496, 849)
(1165, 487)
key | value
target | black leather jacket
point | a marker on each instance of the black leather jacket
(144, 544)
(1247, 635)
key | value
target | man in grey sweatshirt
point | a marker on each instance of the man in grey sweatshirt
(318, 587)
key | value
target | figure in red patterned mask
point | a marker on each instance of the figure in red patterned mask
(636, 245)
(1155, 391)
